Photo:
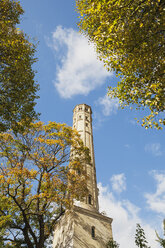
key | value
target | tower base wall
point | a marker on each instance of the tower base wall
(74, 230)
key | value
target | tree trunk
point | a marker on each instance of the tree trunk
(27, 239)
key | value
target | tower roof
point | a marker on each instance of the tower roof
(83, 104)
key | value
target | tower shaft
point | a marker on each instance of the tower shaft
(82, 122)
(83, 226)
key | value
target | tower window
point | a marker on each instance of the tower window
(86, 124)
(80, 117)
(90, 199)
(80, 108)
(86, 109)
(93, 232)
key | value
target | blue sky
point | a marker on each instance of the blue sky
(129, 159)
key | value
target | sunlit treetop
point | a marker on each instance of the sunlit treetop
(17, 86)
(129, 38)
(38, 181)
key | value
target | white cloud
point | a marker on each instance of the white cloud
(118, 182)
(109, 106)
(154, 148)
(98, 119)
(125, 216)
(80, 71)
(156, 201)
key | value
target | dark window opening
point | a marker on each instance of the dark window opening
(93, 232)
(79, 172)
(86, 124)
(90, 199)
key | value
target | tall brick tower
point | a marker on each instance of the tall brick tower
(84, 226)
(82, 122)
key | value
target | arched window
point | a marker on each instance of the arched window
(90, 199)
(93, 232)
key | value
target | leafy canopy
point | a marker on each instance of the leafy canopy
(112, 244)
(159, 239)
(17, 85)
(129, 38)
(38, 181)
(140, 239)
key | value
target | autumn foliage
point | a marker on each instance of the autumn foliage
(129, 38)
(17, 85)
(38, 181)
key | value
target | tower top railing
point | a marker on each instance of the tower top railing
(82, 107)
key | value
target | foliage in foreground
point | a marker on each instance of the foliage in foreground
(159, 239)
(112, 244)
(17, 85)
(129, 38)
(35, 169)
(140, 239)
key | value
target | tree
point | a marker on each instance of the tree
(17, 85)
(129, 38)
(159, 239)
(39, 179)
(140, 239)
(112, 244)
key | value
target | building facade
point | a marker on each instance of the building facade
(84, 226)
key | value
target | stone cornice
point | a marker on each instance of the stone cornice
(92, 213)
